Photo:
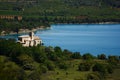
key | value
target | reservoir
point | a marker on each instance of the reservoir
(84, 38)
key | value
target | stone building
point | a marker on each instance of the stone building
(29, 40)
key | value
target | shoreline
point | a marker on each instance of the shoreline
(92, 23)
(3, 33)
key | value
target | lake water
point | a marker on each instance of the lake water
(85, 38)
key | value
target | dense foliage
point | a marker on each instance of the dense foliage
(18, 61)
(30, 63)
(7, 26)
(45, 12)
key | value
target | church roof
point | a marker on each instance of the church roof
(24, 36)
(36, 38)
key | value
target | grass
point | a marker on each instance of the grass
(71, 73)
(64, 75)
(115, 75)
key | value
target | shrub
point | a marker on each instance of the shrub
(11, 71)
(87, 56)
(102, 57)
(52, 56)
(113, 60)
(26, 61)
(109, 69)
(28, 67)
(34, 76)
(99, 68)
(50, 65)
(84, 66)
(43, 68)
(93, 76)
(57, 49)
(63, 65)
(76, 55)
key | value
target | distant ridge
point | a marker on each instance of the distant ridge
(114, 3)
(37, 13)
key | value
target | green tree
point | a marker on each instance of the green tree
(63, 65)
(113, 60)
(26, 62)
(102, 56)
(84, 66)
(76, 55)
(109, 68)
(50, 65)
(99, 68)
(53, 56)
(43, 68)
(34, 76)
(38, 54)
(57, 49)
(10, 71)
(87, 56)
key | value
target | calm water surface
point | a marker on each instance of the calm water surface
(92, 38)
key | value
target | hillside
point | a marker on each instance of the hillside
(52, 63)
(62, 9)
(45, 12)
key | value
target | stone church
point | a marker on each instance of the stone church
(29, 40)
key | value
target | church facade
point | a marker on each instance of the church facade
(29, 40)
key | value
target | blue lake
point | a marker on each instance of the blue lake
(84, 38)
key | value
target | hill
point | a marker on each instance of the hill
(52, 63)
(45, 12)
(62, 9)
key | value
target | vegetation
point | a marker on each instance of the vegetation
(36, 13)
(53, 63)
(34, 63)
(15, 25)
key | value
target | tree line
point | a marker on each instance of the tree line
(8, 26)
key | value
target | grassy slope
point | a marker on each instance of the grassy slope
(71, 73)
(49, 63)
(115, 75)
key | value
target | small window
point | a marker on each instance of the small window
(20, 39)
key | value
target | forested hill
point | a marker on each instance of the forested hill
(35, 13)
(52, 10)
(114, 3)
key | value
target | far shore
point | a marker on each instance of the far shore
(93, 23)
(3, 33)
